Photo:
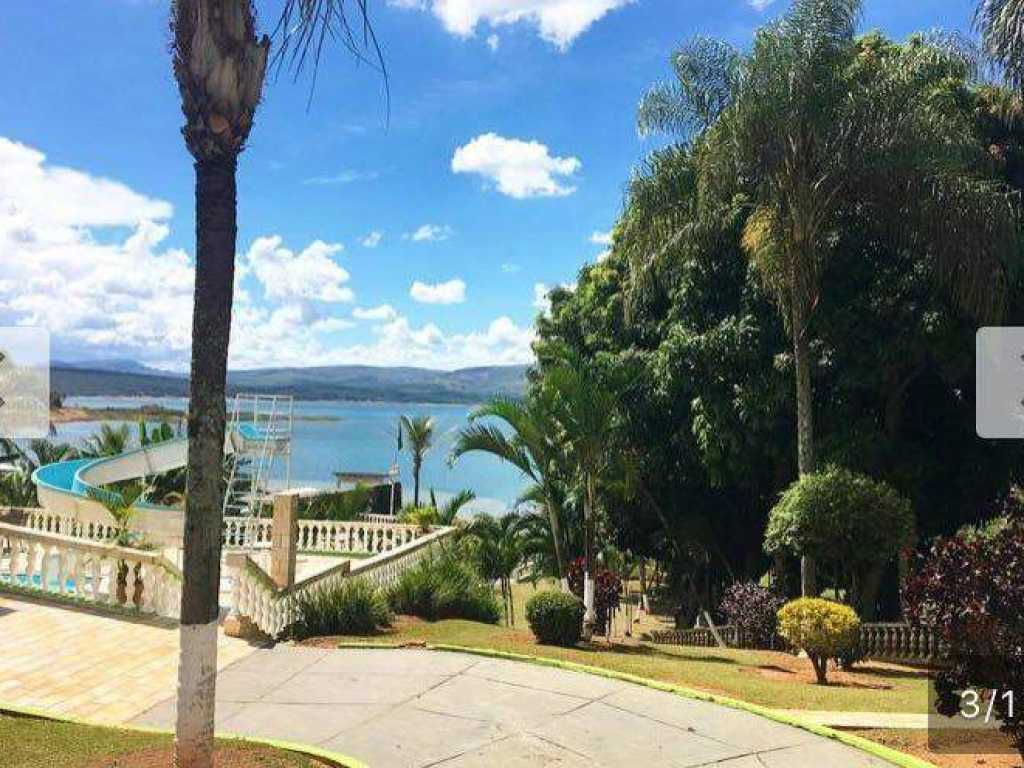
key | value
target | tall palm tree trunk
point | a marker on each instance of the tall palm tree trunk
(211, 321)
(219, 64)
(416, 484)
(804, 423)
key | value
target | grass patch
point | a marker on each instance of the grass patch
(36, 743)
(768, 678)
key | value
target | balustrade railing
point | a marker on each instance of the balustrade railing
(357, 537)
(882, 641)
(270, 609)
(51, 564)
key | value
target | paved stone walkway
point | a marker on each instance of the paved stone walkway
(396, 708)
(87, 664)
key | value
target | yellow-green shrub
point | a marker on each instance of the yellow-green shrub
(821, 628)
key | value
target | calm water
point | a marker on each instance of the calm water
(360, 437)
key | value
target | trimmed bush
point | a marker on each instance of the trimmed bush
(850, 524)
(753, 610)
(442, 586)
(353, 607)
(556, 618)
(822, 629)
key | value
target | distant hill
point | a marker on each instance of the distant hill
(343, 382)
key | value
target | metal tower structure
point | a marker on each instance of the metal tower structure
(260, 431)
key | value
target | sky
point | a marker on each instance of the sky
(418, 225)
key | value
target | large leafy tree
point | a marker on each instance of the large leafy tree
(811, 124)
(523, 433)
(220, 63)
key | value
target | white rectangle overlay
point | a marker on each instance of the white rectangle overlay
(24, 382)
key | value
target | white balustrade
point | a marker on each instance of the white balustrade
(45, 563)
(270, 609)
(357, 537)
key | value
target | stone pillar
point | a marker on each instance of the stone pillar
(284, 539)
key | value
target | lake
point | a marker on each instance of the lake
(360, 437)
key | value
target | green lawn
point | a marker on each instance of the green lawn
(760, 677)
(36, 743)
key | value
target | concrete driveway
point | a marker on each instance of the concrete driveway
(395, 708)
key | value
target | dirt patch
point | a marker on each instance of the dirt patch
(976, 752)
(234, 756)
(873, 675)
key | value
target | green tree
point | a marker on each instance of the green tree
(499, 553)
(220, 63)
(109, 441)
(419, 438)
(849, 523)
(524, 434)
(16, 486)
(810, 124)
(448, 512)
(586, 412)
(1000, 23)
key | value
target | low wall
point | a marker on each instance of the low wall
(895, 642)
(50, 564)
(271, 610)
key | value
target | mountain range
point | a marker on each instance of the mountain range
(110, 378)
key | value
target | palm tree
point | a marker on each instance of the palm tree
(529, 442)
(16, 486)
(419, 438)
(1000, 23)
(219, 63)
(109, 441)
(586, 412)
(448, 512)
(499, 552)
(809, 125)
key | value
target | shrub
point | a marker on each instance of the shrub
(822, 628)
(968, 590)
(443, 586)
(353, 607)
(556, 618)
(753, 610)
(848, 523)
(607, 589)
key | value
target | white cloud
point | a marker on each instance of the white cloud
(521, 169)
(450, 292)
(558, 21)
(342, 177)
(383, 312)
(601, 238)
(509, 269)
(493, 42)
(760, 5)
(310, 274)
(105, 294)
(603, 255)
(430, 233)
(372, 240)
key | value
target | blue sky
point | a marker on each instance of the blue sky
(416, 237)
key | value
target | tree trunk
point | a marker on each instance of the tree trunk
(556, 536)
(804, 423)
(865, 597)
(211, 330)
(589, 615)
(416, 484)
